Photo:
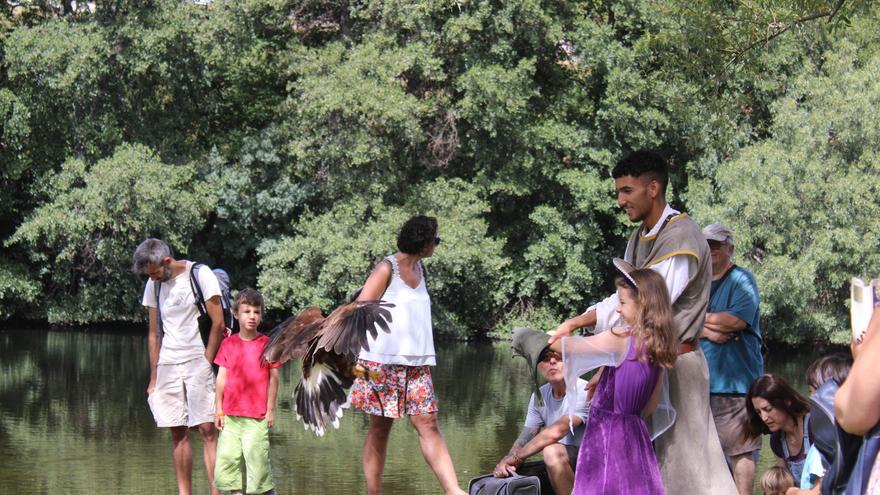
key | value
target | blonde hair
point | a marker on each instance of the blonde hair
(776, 480)
(654, 326)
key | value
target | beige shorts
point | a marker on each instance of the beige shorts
(730, 416)
(184, 394)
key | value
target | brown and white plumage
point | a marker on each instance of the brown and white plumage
(328, 347)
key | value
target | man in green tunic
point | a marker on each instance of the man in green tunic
(668, 241)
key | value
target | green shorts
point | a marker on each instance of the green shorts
(243, 446)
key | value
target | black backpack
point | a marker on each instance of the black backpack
(225, 299)
(204, 319)
(864, 462)
(851, 457)
(837, 448)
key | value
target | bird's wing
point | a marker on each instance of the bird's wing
(345, 330)
(322, 392)
(292, 338)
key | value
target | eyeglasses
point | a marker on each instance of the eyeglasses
(437, 241)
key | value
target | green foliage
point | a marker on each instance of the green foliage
(58, 72)
(80, 242)
(14, 130)
(18, 289)
(256, 199)
(330, 255)
(803, 202)
(352, 124)
(311, 130)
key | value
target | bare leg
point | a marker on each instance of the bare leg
(436, 453)
(558, 468)
(181, 451)
(375, 450)
(744, 473)
(209, 443)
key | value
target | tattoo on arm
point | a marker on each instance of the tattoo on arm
(527, 434)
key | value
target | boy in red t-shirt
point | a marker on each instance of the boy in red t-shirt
(246, 391)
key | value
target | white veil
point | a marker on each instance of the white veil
(584, 354)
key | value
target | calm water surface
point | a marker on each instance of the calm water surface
(74, 420)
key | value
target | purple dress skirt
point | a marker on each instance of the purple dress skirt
(616, 454)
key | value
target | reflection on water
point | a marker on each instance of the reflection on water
(74, 419)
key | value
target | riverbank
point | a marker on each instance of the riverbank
(71, 400)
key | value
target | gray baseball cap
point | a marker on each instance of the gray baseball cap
(719, 233)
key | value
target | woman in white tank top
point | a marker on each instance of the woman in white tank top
(397, 379)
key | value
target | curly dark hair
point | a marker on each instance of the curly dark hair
(643, 163)
(775, 390)
(416, 234)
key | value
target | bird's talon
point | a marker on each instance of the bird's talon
(359, 371)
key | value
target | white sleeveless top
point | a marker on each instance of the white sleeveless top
(411, 341)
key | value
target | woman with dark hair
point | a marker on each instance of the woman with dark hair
(395, 374)
(777, 409)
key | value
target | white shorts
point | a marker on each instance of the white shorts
(184, 394)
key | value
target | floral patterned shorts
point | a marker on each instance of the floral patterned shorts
(394, 390)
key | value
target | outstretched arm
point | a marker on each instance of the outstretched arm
(568, 326)
(611, 341)
(547, 436)
(528, 433)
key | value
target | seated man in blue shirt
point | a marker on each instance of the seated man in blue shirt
(546, 428)
(732, 342)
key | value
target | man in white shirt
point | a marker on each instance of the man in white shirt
(669, 242)
(547, 428)
(181, 388)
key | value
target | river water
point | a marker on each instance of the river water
(74, 420)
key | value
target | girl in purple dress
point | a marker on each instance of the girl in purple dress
(616, 455)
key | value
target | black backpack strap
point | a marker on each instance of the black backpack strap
(197, 289)
(160, 331)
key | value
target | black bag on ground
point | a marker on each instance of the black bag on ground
(514, 485)
(531, 480)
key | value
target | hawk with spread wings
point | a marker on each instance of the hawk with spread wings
(328, 348)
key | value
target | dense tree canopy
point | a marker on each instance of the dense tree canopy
(286, 141)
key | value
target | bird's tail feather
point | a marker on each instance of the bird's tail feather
(320, 398)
